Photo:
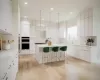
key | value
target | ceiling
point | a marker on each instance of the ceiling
(66, 9)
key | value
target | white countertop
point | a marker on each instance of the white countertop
(6, 57)
(53, 45)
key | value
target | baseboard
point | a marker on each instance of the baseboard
(68, 57)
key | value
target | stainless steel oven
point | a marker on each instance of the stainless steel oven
(25, 43)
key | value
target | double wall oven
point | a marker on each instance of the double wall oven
(24, 43)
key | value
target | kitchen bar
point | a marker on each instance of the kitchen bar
(52, 53)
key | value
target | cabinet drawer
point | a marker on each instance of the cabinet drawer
(85, 48)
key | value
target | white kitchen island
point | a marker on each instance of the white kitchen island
(45, 57)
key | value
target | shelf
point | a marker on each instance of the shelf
(4, 32)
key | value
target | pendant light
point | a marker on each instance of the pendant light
(49, 18)
(35, 24)
(58, 21)
(58, 24)
(40, 18)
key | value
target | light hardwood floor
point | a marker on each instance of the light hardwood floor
(71, 69)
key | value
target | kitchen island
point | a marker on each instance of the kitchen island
(51, 56)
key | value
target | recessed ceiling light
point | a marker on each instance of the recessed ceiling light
(51, 9)
(71, 12)
(43, 19)
(25, 3)
(25, 16)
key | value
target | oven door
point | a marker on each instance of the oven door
(25, 46)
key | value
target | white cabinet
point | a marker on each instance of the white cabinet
(90, 25)
(6, 16)
(86, 27)
(9, 67)
(80, 52)
(25, 29)
(32, 45)
(85, 23)
(81, 27)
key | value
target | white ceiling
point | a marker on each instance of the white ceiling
(64, 7)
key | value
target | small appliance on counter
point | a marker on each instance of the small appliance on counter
(48, 41)
(6, 44)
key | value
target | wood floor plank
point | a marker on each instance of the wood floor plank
(72, 69)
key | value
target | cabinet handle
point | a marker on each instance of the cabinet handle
(5, 29)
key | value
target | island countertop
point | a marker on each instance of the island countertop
(53, 45)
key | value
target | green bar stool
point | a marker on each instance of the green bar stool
(55, 49)
(46, 49)
(64, 48)
(45, 56)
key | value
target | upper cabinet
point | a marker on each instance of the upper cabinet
(25, 29)
(85, 22)
(6, 16)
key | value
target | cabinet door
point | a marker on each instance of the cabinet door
(90, 12)
(5, 15)
(12, 72)
(32, 45)
(78, 27)
(86, 27)
(90, 26)
(8, 26)
(85, 55)
(82, 27)
(2, 14)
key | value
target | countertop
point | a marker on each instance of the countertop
(54, 45)
(40, 43)
(6, 57)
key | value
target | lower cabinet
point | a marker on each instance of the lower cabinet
(80, 52)
(12, 70)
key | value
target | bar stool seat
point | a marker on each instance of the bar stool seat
(55, 49)
(46, 49)
(64, 48)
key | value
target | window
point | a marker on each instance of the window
(72, 33)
